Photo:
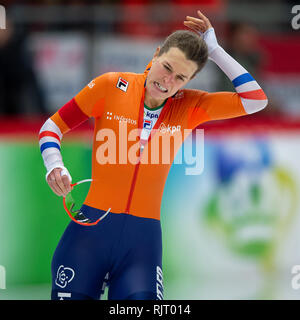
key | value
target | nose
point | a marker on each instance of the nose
(168, 79)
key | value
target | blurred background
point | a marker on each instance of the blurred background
(231, 232)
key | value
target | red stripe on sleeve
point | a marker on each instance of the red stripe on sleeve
(71, 114)
(254, 95)
(49, 134)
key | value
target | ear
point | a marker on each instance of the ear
(156, 54)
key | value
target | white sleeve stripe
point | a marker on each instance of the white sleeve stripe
(249, 86)
(227, 64)
(48, 139)
(48, 151)
(51, 158)
(252, 106)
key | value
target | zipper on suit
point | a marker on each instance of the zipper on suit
(140, 126)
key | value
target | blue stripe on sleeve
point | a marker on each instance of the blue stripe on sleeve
(243, 78)
(47, 145)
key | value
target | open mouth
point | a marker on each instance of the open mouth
(160, 87)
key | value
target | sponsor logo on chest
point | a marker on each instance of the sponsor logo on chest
(167, 128)
(122, 84)
(120, 118)
(151, 115)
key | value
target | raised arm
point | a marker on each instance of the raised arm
(251, 94)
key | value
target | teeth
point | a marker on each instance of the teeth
(161, 87)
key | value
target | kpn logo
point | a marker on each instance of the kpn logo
(2, 277)
(2, 18)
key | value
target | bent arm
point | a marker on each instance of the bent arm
(66, 118)
(50, 137)
(249, 91)
(251, 94)
(87, 103)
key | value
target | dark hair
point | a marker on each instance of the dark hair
(192, 45)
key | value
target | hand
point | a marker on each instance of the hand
(200, 24)
(60, 185)
(203, 26)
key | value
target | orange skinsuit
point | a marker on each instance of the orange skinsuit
(111, 97)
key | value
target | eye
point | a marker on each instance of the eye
(166, 67)
(180, 78)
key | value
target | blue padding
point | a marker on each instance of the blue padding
(243, 78)
(49, 145)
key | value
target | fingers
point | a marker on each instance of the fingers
(205, 19)
(194, 26)
(196, 20)
(52, 184)
(59, 184)
(201, 15)
(198, 24)
(67, 183)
